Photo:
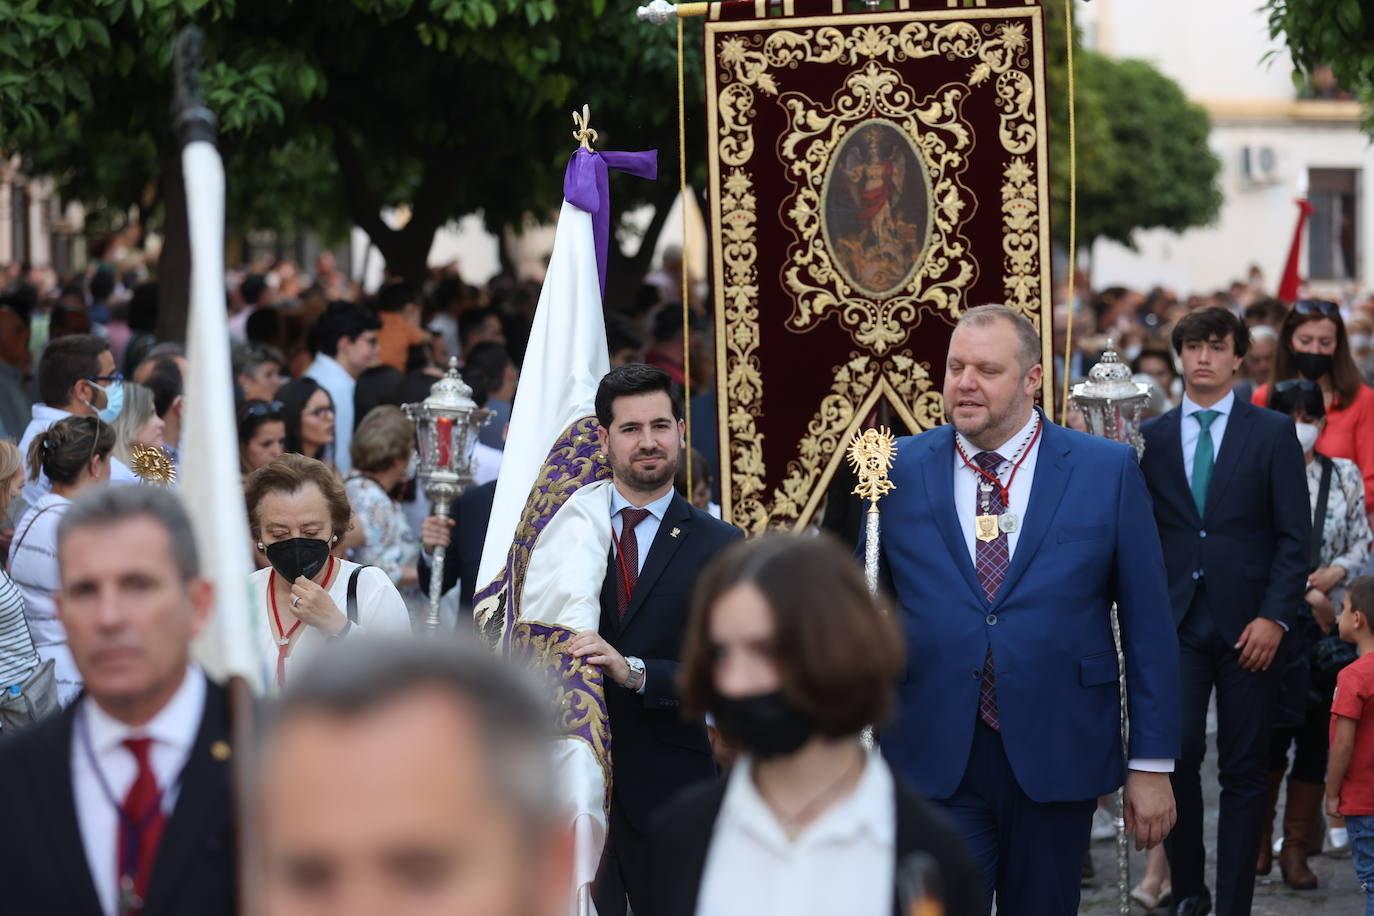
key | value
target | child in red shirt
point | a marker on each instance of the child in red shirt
(1350, 771)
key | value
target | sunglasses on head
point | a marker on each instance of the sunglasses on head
(263, 409)
(1317, 307)
(1301, 384)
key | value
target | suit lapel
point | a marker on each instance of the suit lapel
(1051, 481)
(1234, 443)
(939, 479)
(676, 519)
(53, 780)
(1169, 444)
(202, 804)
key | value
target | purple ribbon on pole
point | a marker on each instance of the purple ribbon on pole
(586, 185)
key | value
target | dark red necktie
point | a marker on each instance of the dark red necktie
(629, 556)
(141, 823)
(991, 558)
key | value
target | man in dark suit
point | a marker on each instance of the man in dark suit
(661, 544)
(1230, 499)
(1006, 541)
(122, 803)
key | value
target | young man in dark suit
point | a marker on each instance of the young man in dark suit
(660, 545)
(122, 803)
(1230, 500)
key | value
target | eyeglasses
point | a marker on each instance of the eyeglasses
(116, 377)
(1317, 307)
(1301, 384)
(263, 409)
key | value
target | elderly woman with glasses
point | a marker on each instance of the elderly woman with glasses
(1314, 345)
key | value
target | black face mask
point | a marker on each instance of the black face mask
(1312, 365)
(767, 724)
(297, 557)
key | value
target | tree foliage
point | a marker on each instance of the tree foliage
(1334, 33)
(331, 112)
(1143, 157)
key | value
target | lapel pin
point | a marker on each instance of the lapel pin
(675, 532)
(220, 751)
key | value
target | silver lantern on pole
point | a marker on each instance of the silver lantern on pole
(1111, 402)
(446, 427)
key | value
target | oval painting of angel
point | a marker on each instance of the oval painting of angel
(877, 208)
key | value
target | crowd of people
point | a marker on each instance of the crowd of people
(1234, 551)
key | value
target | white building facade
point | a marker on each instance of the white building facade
(1274, 146)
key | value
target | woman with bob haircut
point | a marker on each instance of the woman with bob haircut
(297, 511)
(793, 658)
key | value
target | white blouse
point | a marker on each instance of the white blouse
(843, 862)
(381, 609)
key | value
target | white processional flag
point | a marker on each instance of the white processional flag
(544, 560)
(210, 479)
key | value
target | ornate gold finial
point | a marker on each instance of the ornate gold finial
(152, 465)
(584, 133)
(871, 454)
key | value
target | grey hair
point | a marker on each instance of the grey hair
(104, 505)
(1025, 330)
(515, 719)
(138, 409)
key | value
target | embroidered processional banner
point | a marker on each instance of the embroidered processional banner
(873, 175)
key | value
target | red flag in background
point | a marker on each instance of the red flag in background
(1288, 286)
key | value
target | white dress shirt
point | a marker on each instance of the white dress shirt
(335, 379)
(645, 531)
(966, 480)
(1192, 429)
(173, 731)
(843, 862)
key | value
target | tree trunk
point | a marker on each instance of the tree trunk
(625, 274)
(174, 263)
(406, 251)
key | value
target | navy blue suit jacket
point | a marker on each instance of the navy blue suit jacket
(1251, 544)
(1088, 540)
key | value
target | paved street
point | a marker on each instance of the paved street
(1338, 895)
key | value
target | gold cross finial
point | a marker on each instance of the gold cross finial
(871, 454)
(584, 133)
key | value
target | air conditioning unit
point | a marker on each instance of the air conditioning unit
(1259, 165)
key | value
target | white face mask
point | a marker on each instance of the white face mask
(1307, 435)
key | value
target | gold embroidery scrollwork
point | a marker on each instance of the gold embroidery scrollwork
(581, 713)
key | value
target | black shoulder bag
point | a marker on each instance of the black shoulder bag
(1331, 653)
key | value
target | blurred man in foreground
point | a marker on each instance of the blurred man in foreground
(412, 778)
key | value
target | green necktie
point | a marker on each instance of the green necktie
(1203, 459)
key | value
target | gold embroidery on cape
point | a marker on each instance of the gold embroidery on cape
(577, 707)
(553, 487)
(1000, 54)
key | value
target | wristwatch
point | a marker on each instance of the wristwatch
(636, 677)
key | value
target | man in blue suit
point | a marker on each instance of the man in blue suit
(1006, 541)
(1230, 499)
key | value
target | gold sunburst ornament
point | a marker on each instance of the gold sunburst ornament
(152, 465)
(871, 454)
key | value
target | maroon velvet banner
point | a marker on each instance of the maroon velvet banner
(873, 175)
